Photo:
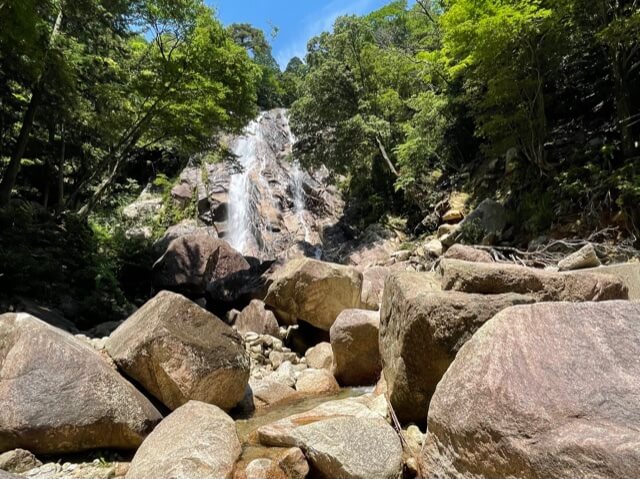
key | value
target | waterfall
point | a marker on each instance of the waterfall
(240, 224)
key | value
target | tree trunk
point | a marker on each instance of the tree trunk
(60, 203)
(383, 151)
(11, 173)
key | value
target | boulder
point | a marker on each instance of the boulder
(293, 463)
(372, 286)
(184, 228)
(494, 278)
(351, 448)
(320, 356)
(178, 352)
(59, 396)
(263, 469)
(182, 194)
(542, 391)
(267, 393)
(8, 475)
(585, 257)
(282, 433)
(255, 317)
(488, 219)
(18, 461)
(314, 291)
(194, 261)
(433, 248)
(356, 354)
(452, 216)
(421, 331)
(468, 253)
(628, 273)
(316, 382)
(196, 441)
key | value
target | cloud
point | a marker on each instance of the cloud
(319, 21)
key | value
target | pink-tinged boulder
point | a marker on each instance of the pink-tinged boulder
(421, 331)
(316, 381)
(372, 286)
(320, 356)
(256, 318)
(196, 441)
(494, 278)
(468, 253)
(58, 395)
(542, 391)
(314, 291)
(180, 352)
(356, 352)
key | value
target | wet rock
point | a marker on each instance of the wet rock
(18, 461)
(356, 353)
(192, 262)
(316, 382)
(421, 331)
(585, 257)
(255, 317)
(197, 441)
(320, 356)
(468, 253)
(541, 391)
(58, 395)
(314, 291)
(494, 278)
(178, 352)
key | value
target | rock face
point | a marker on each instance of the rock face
(541, 391)
(256, 318)
(314, 291)
(421, 331)
(496, 278)
(586, 257)
(194, 261)
(197, 441)
(468, 253)
(184, 228)
(58, 395)
(178, 352)
(356, 354)
(286, 206)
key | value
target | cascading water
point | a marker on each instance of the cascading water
(267, 203)
(240, 223)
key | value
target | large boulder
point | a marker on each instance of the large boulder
(421, 331)
(197, 441)
(489, 219)
(178, 352)
(256, 318)
(356, 354)
(192, 262)
(58, 395)
(628, 273)
(542, 391)
(372, 286)
(184, 228)
(494, 278)
(314, 291)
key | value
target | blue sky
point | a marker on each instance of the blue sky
(297, 20)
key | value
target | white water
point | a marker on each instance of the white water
(245, 149)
